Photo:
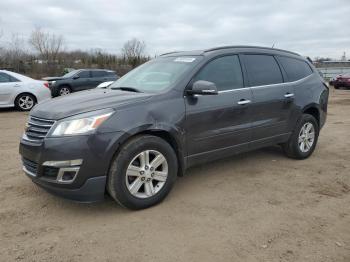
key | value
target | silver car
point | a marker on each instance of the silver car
(21, 91)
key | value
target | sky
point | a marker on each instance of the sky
(310, 27)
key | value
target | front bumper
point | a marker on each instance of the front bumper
(92, 190)
(89, 174)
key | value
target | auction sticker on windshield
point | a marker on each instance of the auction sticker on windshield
(185, 59)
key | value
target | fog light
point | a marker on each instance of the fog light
(67, 170)
(68, 175)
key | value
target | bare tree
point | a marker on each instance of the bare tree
(133, 52)
(16, 53)
(2, 50)
(48, 45)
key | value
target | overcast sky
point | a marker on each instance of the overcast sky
(310, 27)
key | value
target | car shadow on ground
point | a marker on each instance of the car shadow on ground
(109, 207)
(8, 110)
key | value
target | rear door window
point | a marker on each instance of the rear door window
(262, 70)
(99, 73)
(295, 69)
(225, 72)
(4, 78)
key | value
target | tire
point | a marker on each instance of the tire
(25, 102)
(336, 86)
(293, 148)
(120, 185)
(64, 90)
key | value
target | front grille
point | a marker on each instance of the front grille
(37, 129)
(31, 166)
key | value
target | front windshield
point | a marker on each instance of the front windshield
(158, 74)
(71, 73)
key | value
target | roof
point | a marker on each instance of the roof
(18, 76)
(223, 48)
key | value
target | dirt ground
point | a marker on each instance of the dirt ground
(259, 206)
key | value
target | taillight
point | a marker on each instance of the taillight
(46, 84)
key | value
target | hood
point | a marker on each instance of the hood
(85, 101)
(53, 78)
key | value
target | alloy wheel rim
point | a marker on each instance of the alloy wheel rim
(64, 91)
(146, 174)
(306, 137)
(26, 102)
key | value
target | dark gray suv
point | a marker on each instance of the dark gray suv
(78, 80)
(136, 137)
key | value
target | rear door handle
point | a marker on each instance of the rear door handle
(289, 95)
(243, 102)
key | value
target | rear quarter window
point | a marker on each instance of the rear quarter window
(294, 68)
(262, 70)
(110, 73)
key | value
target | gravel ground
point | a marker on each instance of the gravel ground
(259, 206)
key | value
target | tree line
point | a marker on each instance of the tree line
(44, 54)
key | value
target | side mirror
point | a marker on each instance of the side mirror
(202, 87)
(76, 77)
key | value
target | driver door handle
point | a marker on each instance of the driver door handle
(244, 102)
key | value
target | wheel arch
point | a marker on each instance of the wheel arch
(164, 134)
(313, 110)
(65, 84)
(25, 93)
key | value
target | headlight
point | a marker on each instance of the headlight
(52, 82)
(81, 125)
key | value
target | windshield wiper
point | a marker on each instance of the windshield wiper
(131, 89)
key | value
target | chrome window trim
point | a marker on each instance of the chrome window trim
(263, 86)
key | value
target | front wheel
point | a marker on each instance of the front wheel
(143, 172)
(303, 140)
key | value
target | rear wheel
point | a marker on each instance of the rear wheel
(143, 172)
(303, 140)
(25, 102)
(64, 90)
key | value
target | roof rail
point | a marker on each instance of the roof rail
(248, 46)
(173, 52)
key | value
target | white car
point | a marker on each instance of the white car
(21, 91)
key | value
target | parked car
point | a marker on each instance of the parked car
(331, 80)
(20, 91)
(105, 84)
(77, 80)
(176, 111)
(341, 81)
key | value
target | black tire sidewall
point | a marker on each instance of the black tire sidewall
(306, 118)
(117, 179)
(17, 102)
